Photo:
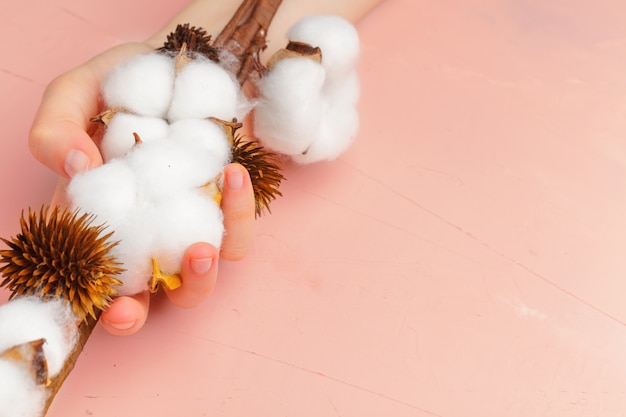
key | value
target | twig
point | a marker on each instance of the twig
(244, 35)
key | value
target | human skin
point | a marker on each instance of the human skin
(63, 139)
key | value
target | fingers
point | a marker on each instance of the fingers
(238, 207)
(200, 261)
(126, 315)
(59, 136)
(199, 274)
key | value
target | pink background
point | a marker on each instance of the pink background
(464, 258)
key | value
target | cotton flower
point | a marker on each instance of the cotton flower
(22, 321)
(164, 156)
(122, 132)
(20, 396)
(204, 89)
(142, 85)
(307, 109)
(27, 319)
(335, 36)
(288, 115)
(111, 191)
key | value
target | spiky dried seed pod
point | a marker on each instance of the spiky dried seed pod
(264, 171)
(193, 39)
(61, 255)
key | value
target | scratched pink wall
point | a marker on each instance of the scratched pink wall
(465, 258)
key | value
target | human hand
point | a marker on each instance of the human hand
(62, 138)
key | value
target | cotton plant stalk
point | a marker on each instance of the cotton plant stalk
(170, 126)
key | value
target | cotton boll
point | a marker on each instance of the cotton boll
(336, 37)
(165, 168)
(338, 125)
(192, 217)
(336, 134)
(164, 232)
(345, 90)
(318, 121)
(289, 111)
(136, 237)
(110, 191)
(205, 134)
(19, 394)
(204, 89)
(119, 138)
(143, 85)
(26, 319)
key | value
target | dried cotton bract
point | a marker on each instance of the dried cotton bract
(307, 109)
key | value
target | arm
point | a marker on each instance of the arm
(213, 15)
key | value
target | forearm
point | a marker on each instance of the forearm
(212, 15)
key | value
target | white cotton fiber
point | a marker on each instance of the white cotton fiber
(119, 138)
(27, 319)
(306, 109)
(190, 218)
(290, 108)
(205, 134)
(20, 396)
(204, 89)
(164, 231)
(345, 91)
(143, 85)
(136, 235)
(334, 136)
(165, 168)
(337, 38)
(110, 191)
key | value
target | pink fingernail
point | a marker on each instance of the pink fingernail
(122, 326)
(201, 266)
(234, 179)
(76, 162)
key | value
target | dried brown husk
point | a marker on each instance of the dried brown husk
(295, 50)
(30, 355)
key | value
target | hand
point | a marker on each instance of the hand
(61, 138)
(126, 315)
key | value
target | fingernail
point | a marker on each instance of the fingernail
(234, 180)
(122, 326)
(201, 266)
(76, 162)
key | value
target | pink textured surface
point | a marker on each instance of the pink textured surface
(464, 258)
